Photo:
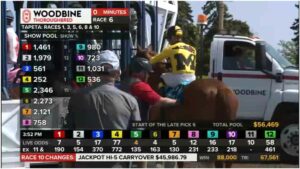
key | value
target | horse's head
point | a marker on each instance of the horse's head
(158, 68)
(145, 53)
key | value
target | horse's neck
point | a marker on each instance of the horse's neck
(174, 112)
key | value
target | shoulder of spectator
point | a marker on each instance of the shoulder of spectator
(77, 96)
(128, 96)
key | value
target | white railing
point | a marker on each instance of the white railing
(165, 8)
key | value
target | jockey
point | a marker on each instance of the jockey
(182, 57)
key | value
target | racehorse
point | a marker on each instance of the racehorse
(204, 100)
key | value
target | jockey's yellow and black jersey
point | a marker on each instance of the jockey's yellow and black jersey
(181, 55)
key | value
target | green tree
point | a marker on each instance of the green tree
(295, 28)
(185, 21)
(230, 24)
(289, 50)
(241, 28)
(211, 10)
(190, 30)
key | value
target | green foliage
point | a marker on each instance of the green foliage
(191, 33)
(241, 27)
(211, 10)
(295, 28)
(289, 50)
(185, 12)
(185, 21)
(230, 24)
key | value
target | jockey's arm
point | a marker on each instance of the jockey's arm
(167, 52)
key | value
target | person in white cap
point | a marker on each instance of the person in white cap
(102, 105)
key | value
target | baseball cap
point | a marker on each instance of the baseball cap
(107, 57)
(140, 64)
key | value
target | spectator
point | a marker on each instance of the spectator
(242, 61)
(138, 87)
(12, 42)
(102, 105)
(238, 60)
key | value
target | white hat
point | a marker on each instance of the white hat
(108, 57)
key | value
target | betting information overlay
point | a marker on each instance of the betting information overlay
(110, 66)
(163, 142)
(78, 29)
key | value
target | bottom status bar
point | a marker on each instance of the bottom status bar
(140, 157)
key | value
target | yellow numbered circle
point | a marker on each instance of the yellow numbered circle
(116, 134)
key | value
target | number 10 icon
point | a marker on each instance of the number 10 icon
(231, 134)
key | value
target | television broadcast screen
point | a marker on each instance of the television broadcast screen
(150, 84)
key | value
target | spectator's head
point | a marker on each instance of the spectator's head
(174, 34)
(140, 68)
(107, 67)
(52, 5)
(9, 17)
(75, 5)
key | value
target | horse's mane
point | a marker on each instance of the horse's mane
(146, 53)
